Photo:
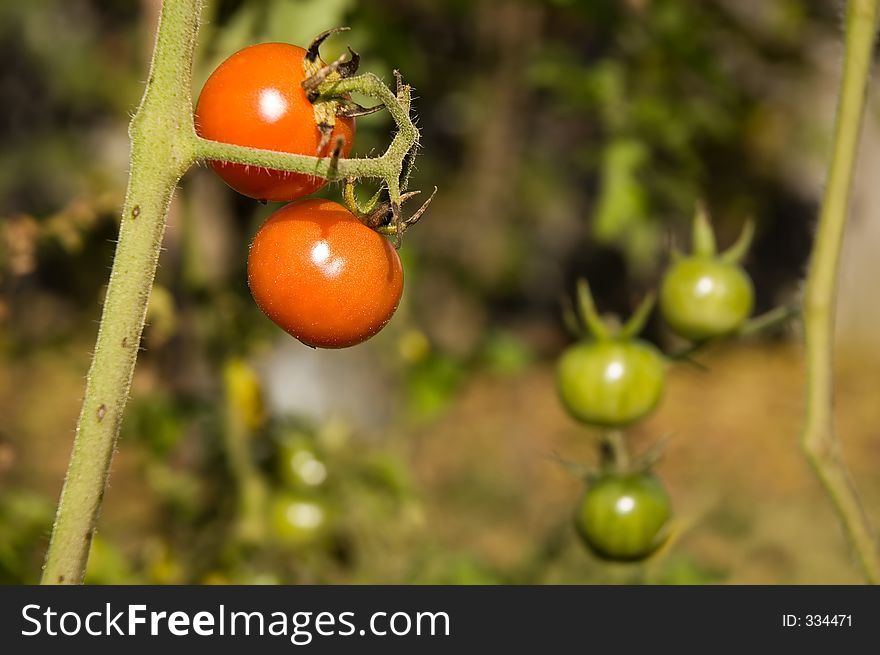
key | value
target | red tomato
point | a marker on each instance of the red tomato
(322, 275)
(255, 99)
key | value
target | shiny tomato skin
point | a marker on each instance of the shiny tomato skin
(611, 383)
(322, 275)
(254, 98)
(625, 517)
(704, 297)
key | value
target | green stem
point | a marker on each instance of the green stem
(613, 452)
(770, 319)
(160, 154)
(285, 161)
(164, 145)
(761, 323)
(819, 440)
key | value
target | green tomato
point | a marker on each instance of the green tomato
(703, 297)
(611, 383)
(300, 467)
(624, 517)
(298, 520)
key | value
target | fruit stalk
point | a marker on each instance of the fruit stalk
(819, 439)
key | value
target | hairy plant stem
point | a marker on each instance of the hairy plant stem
(160, 153)
(164, 145)
(819, 439)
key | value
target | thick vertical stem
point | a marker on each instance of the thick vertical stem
(819, 438)
(162, 149)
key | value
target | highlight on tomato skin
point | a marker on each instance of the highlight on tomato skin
(322, 275)
(255, 98)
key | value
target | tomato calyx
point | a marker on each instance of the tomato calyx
(328, 107)
(317, 72)
(615, 458)
(585, 322)
(344, 68)
(703, 239)
(383, 215)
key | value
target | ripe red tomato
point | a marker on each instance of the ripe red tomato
(322, 275)
(255, 99)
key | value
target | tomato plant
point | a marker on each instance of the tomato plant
(611, 382)
(322, 275)
(624, 517)
(255, 98)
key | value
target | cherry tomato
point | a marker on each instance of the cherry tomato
(322, 275)
(300, 467)
(254, 99)
(624, 517)
(704, 297)
(299, 520)
(611, 382)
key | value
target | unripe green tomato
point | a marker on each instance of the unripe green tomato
(624, 517)
(702, 297)
(611, 383)
(300, 467)
(298, 520)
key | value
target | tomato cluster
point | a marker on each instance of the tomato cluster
(611, 379)
(314, 267)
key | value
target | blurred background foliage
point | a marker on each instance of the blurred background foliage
(568, 138)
